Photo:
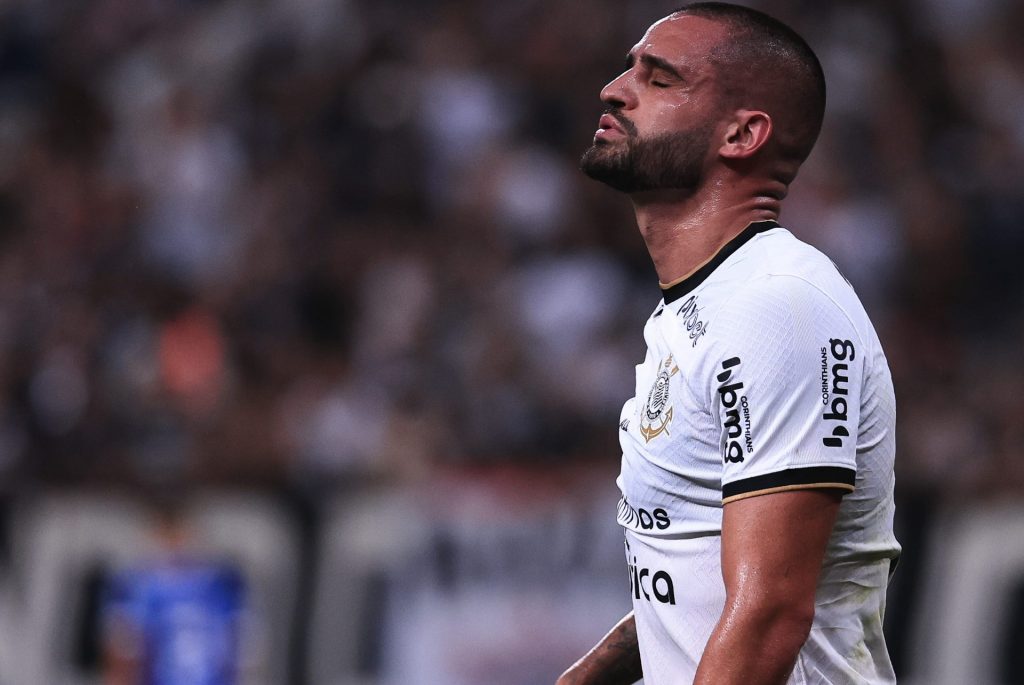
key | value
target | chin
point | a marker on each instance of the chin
(601, 152)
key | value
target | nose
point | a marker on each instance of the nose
(619, 92)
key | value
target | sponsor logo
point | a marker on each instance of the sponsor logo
(736, 414)
(657, 584)
(689, 312)
(657, 415)
(824, 376)
(624, 424)
(835, 388)
(646, 520)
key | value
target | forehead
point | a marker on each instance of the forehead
(683, 39)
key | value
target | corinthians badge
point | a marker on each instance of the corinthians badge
(655, 418)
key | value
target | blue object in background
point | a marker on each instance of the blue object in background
(182, 618)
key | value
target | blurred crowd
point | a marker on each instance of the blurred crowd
(305, 242)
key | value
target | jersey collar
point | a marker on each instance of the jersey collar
(674, 291)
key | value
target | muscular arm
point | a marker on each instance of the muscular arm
(772, 549)
(615, 660)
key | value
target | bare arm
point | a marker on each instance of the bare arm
(615, 660)
(122, 653)
(772, 549)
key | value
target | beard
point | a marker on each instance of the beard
(668, 161)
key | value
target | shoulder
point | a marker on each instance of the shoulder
(780, 253)
(780, 277)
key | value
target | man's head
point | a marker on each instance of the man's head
(710, 83)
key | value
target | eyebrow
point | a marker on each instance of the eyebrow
(654, 62)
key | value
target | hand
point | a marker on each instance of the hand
(573, 676)
(614, 661)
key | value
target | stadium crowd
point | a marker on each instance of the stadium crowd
(306, 243)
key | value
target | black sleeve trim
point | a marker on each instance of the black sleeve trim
(791, 479)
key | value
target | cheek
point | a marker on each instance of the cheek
(675, 116)
(670, 112)
(682, 114)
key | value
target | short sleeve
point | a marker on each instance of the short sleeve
(785, 389)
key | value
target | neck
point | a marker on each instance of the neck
(682, 233)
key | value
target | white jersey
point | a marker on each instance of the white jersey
(763, 374)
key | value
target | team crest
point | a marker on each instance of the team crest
(657, 414)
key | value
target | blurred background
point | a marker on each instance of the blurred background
(306, 309)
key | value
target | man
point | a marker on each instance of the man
(757, 467)
(174, 619)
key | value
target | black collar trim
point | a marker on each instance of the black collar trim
(685, 286)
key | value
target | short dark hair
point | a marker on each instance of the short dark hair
(764, 64)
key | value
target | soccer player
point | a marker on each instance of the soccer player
(757, 453)
(176, 618)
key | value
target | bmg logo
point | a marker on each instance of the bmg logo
(737, 433)
(842, 351)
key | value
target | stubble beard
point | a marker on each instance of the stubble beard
(669, 161)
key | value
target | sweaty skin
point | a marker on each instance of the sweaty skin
(684, 227)
(772, 549)
(770, 579)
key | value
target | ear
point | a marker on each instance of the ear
(748, 132)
